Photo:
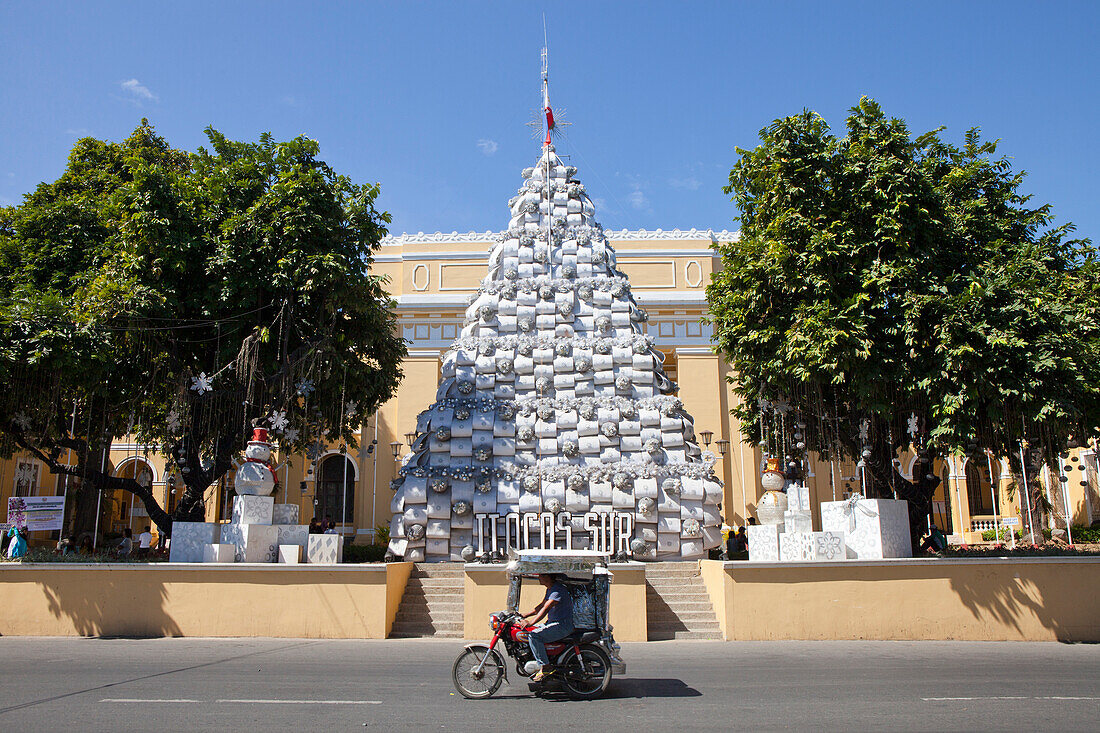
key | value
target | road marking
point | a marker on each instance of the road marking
(303, 702)
(1007, 697)
(144, 700)
(244, 701)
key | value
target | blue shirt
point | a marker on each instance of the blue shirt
(563, 609)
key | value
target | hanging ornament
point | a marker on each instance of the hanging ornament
(173, 421)
(278, 420)
(305, 387)
(202, 384)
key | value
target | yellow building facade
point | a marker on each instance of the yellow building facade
(430, 277)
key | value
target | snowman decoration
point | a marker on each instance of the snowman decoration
(256, 476)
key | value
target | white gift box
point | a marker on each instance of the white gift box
(328, 549)
(690, 549)
(284, 514)
(254, 542)
(763, 542)
(189, 540)
(668, 543)
(292, 534)
(798, 497)
(219, 553)
(873, 528)
(645, 487)
(622, 499)
(249, 509)
(829, 546)
(796, 546)
(798, 520)
(290, 554)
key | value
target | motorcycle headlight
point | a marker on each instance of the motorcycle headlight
(494, 623)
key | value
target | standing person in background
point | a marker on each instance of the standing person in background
(315, 526)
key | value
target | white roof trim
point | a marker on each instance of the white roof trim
(612, 234)
(457, 301)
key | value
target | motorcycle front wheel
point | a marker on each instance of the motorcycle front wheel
(586, 675)
(472, 682)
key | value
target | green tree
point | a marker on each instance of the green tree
(145, 273)
(889, 291)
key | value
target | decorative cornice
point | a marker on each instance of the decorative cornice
(612, 234)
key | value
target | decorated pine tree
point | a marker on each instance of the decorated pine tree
(554, 425)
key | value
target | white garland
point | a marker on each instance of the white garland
(523, 342)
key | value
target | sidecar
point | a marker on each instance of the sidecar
(587, 577)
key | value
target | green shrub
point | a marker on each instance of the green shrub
(363, 553)
(988, 535)
(1090, 535)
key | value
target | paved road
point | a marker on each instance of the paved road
(277, 684)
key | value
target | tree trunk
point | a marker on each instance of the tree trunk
(886, 480)
(1031, 499)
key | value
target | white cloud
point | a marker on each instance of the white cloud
(139, 90)
(289, 100)
(78, 131)
(487, 147)
(638, 199)
(691, 183)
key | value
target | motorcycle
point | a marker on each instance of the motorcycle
(581, 664)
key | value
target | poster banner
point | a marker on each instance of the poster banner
(36, 513)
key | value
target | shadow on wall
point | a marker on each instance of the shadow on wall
(1024, 598)
(102, 606)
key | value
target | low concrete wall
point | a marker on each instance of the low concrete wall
(1019, 599)
(487, 592)
(160, 599)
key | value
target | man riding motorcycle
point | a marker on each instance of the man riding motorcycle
(557, 607)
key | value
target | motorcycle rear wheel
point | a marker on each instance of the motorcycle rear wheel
(588, 675)
(483, 684)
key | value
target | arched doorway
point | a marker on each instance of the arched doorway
(335, 497)
(979, 484)
(119, 509)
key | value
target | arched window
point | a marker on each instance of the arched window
(336, 490)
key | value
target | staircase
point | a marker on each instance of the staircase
(433, 602)
(677, 603)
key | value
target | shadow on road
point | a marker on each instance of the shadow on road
(650, 688)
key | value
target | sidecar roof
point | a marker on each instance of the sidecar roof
(579, 564)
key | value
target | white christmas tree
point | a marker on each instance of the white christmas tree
(554, 424)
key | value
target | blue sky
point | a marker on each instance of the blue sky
(430, 99)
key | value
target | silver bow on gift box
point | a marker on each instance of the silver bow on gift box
(851, 506)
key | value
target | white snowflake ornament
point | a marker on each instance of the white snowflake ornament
(22, 421)
(202, 384)
(278, 421)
